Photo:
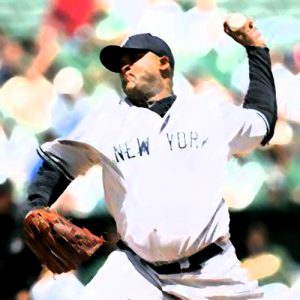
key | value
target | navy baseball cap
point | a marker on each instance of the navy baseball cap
(111, 56)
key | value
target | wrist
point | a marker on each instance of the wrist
(257, 48)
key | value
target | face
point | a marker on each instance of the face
(140, 75)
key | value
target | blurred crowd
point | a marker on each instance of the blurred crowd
(51, 78)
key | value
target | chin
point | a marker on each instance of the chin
(132, 92)
(128, 89)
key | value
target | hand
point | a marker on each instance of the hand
(246, 35)
(58, 244)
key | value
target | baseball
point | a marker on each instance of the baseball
(236, 21)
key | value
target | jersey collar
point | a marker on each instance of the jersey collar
(160, 107)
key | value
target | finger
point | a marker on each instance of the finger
(227, 30)
(225, 25)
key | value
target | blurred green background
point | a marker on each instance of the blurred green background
(51, 78)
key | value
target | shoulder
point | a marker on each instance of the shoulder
(238, 111)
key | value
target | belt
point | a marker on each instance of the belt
(183, 265)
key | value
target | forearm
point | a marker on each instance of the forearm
(45, 189)
(261, 94)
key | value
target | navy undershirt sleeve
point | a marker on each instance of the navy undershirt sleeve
(261, 94)
(48, 184)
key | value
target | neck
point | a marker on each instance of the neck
(165, 90)
(143, 99)
(160, 96)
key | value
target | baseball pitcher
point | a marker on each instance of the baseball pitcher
(163, 158)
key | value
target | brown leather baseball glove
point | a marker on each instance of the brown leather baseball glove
(60, 245)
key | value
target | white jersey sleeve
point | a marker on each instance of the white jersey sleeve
(245, 127)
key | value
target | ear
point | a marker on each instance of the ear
(164, 63)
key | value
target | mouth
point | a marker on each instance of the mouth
(127, 78)
(128, 81)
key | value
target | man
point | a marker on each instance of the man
(163, 161)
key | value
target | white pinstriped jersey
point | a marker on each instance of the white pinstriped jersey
(163, 176)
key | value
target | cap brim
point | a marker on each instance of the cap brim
(111, 56)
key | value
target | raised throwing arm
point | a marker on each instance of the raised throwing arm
(261, 94)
